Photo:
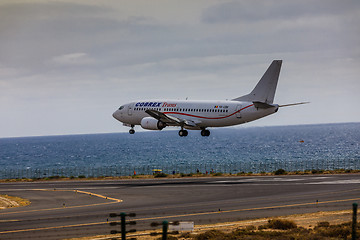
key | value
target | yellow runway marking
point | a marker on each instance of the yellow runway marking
(13, 220)
(100, 196)
(79, 191)
(189, 214)
(51, 209)
(244, 200)
(249, 209)
(67, 207)
(47, 228)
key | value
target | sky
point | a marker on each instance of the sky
(66, 66)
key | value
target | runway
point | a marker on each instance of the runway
(66, 209)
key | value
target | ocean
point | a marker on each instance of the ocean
(235, 149)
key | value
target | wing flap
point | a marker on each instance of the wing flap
(171, 120)
(162, 117)
(190, 123)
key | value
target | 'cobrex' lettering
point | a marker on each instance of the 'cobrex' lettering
(148, 104)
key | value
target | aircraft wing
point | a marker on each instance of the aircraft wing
(170, 120)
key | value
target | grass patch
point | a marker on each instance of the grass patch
(280, 172)
(186, 175)
(278, 229)
(160, 175)
(217, 174)
(279, 224)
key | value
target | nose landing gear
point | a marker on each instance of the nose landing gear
(132, 130)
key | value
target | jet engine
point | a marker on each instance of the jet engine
(152, 124)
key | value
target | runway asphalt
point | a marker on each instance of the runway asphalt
(66, 209)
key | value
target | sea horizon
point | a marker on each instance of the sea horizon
(140, 130)
(245, 149)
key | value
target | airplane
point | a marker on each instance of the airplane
(200, 115)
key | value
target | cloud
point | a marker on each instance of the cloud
(73, 59)
(264, 10)
(94, 56)
(6, 72)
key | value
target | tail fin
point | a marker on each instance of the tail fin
(264, 91)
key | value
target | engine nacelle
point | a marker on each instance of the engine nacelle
(152, 123)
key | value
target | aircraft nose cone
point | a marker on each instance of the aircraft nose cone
(117, 115)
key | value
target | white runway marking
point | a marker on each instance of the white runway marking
(352, 181)
(275, 179)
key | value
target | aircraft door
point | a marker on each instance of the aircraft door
(238, 112)
(130, 109)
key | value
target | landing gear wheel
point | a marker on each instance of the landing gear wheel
(205, 133)
(131, 131)
(183, 133)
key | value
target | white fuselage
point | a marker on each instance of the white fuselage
(203, 113)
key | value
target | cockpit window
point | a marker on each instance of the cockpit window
(121, 107)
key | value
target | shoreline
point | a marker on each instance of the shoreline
(279, 172)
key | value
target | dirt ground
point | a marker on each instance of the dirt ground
(308, 220)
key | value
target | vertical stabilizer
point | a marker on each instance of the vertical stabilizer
(265, 89)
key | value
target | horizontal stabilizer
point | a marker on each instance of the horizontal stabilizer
(293, 104)
(263, 105)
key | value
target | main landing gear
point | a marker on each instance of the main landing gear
(183, 133)
(132, 130)
(205, 133)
